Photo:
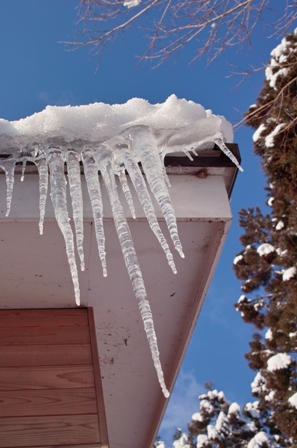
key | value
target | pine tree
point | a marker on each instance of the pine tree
(267, 264)
(222, 424)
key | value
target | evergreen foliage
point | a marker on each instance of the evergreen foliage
(267, 266)
(222, 424)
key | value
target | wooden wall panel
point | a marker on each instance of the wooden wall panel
(36, 318)
(45, 355)
(44, 335)
(34, 431)
(56, 377)
(48, 402)
(50, 383)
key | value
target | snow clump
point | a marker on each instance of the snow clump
(265, 249)
(234, 408)
(237, 259)
(212, 433)
(131, 3)
(202, 440)
(293, 400)
(258, 440)
(269, 335)
(197, 417)
(252, 409)
(280, 225)
(270, 396)
(206, 406)
(289, 273)
(258, 385)
(258, 132)
(182, 442)
(269, 139)
(278, 362)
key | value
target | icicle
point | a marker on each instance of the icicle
(23, 169)
(8, 166)
(59, 199)
(219, 140)
(127, 192)
(92, 179)
(145, 199)
(42, 167)
(146, 149)
(165, 176)
(188, 154)
(132, 265)
(74, 178)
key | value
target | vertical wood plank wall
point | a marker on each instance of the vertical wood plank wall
(49, 396)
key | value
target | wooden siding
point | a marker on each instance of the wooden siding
(50, 383)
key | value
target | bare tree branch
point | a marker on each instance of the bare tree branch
(210, 25)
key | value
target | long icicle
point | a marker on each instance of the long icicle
(8, 166)
(42, 167)
(93, 185)
(146, 148)
(146, 202)
(219, 140)
(126, 191)
(133, 267)
(23, 169)
(74, 179)
(59, 199)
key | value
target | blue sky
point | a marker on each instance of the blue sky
(37, 70)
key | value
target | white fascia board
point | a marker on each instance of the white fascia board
(193, 199)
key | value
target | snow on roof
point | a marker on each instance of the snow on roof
(278, 362)
(289, 273)
(265, 249)
(99, 121)
(293, 400)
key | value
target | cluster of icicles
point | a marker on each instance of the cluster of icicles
(114, 157)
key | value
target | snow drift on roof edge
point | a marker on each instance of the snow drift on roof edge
(99, 121)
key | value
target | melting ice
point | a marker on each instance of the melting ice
(112, 140)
